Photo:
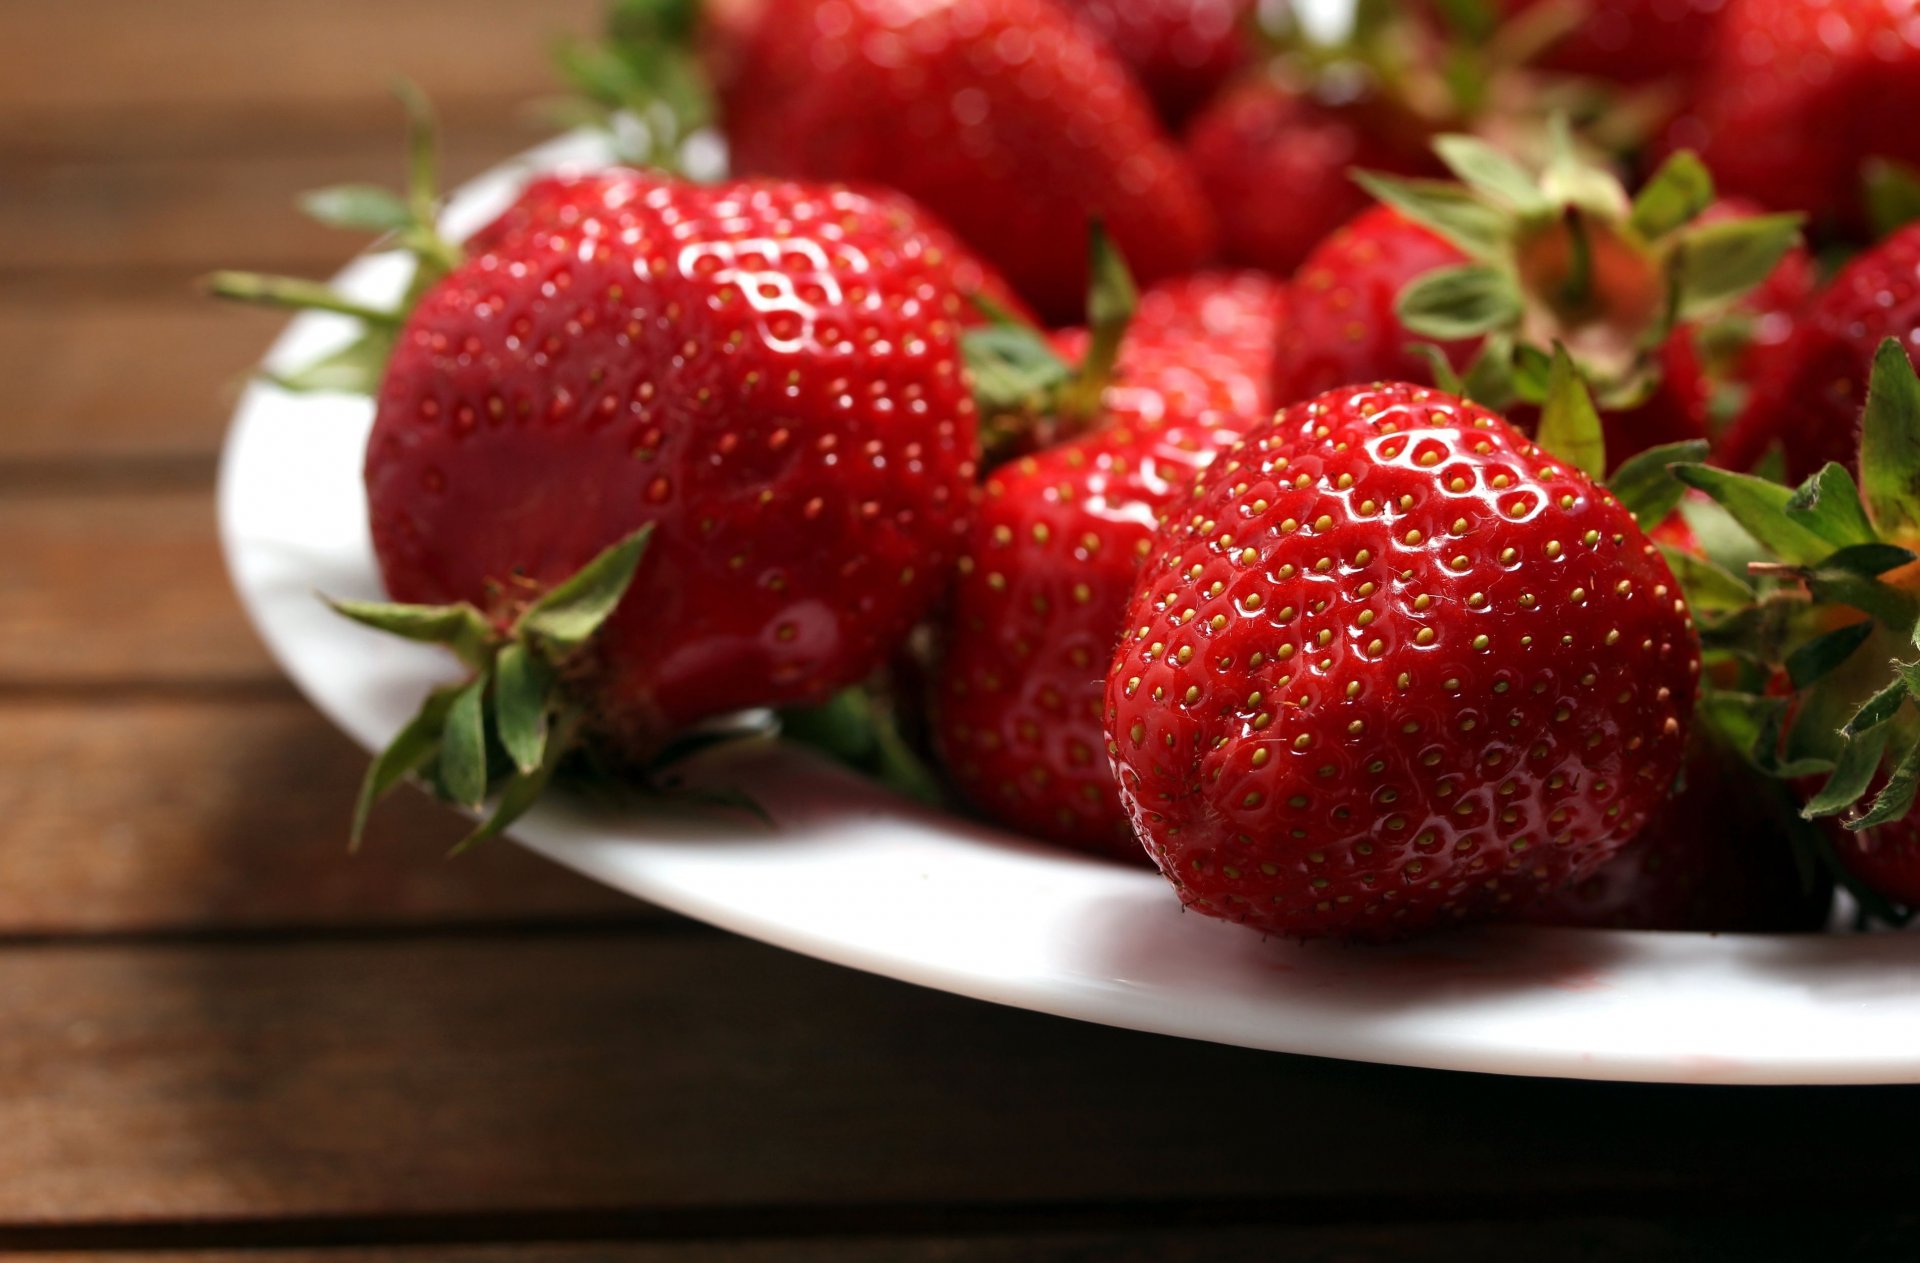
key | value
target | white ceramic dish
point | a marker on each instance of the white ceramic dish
(854, 875)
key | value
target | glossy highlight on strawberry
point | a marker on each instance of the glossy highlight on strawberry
(1393, 667)
(767, 373)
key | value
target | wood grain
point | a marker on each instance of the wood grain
(204, 816)
(132, 76)
(122, 379)
(145, 223)
(700, 1086)
(120, 588)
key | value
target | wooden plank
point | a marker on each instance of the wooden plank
(128, 218)
(696, 1086)
(128, 378)
(110, 72)
(119, 588)
(1585, 1240)
(166, 816)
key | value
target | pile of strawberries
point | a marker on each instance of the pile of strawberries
(1462, 466)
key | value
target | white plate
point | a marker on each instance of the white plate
(853, 875)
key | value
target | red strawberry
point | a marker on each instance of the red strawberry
(1003, 117)
(1886, 859)
(1633, 41)
(1051, 558)
(1275, 161)
(1391, 666)
(1180, 50)
(1808, 396)
(1510, 263)
(1799, 93)
(1713, 857)
(1343, 329)
(767, 374)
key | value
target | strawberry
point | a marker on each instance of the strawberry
(1524, 261)
(1631, 41)
(1004, 117)
(1798, 94)
(1808, 395)
(1343, 328)
(1714, 857)
(1886, 859)
(1274, 159)
(1179, 50)
(1760, 324)
(761, 379)
(1390, 667)
(1050, 561)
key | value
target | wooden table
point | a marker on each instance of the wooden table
(223, 1038)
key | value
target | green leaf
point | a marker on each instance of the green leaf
(1868, 560)
(1532, 373)
(1760, 507)
(461, 628)
(1828, 502)
(1859, 760)
(1443, 208)
(1111, 300)
(1462, 301)
(1469, 20)
(1890, 441)
(463, 745)
(354, 369)
(1893, 608)
(1673, 196)
(520, 690)
(1876, 710)
(1893, 194)
(1645, 485)
(1489, 379)
(1014, 368)
(1895, 798)
(1709, 588)
(292, 293)
(411, 747)
(1823, 653)
(1439, 368)
(570, 613)
(523, 788)
(1491, 173)
(1719, 262)
(361, 207)
(1569, 425)
(1722, 540)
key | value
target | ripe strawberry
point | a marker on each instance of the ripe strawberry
(764, 374)
(1632, 41)
(1180, 50)
(1391, 666)
(1886, 858)
(1714, 857)
(1050, 561)
(1003, 117)
(1342, 328)
(1799, 93)
(1808, 396)
(1274, 160)
(1513, 263)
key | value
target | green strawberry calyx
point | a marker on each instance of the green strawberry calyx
(1808, 603)
(1562, 255)
(1029, 396)
(404, 221)
(502, 732)
(641, 83)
